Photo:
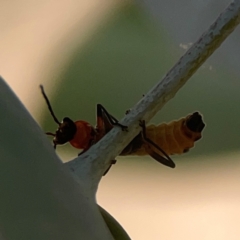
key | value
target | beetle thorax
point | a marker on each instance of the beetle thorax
(84, 137)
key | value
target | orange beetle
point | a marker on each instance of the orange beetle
(158, 141)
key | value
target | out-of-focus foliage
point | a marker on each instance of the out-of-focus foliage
(124, 59)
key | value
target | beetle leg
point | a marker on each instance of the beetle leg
(112, 162)
(103, 114)
(165, 159)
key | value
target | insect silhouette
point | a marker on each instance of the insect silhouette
(158, 141)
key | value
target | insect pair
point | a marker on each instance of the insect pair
(158, 141)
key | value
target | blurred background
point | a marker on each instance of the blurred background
(112, 52)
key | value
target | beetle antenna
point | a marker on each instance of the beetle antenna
(49, 106)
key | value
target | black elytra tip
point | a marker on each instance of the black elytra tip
(195, 122)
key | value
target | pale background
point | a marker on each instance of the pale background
(112, 52)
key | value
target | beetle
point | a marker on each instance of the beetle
(158, 141)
